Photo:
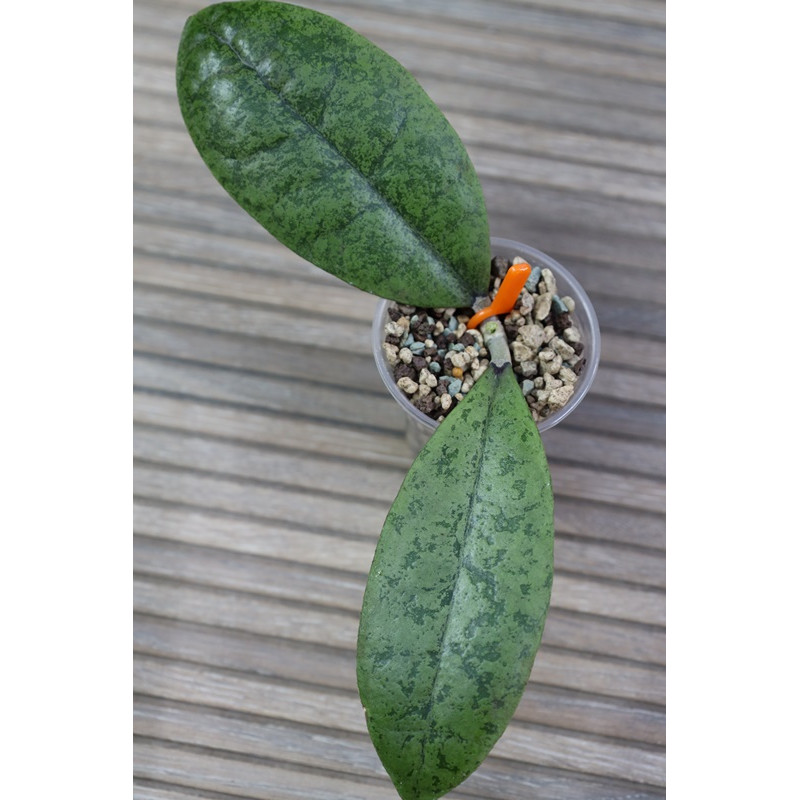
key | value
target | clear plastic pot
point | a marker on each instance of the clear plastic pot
(419, 426)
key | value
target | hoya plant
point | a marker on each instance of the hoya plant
(336, 149)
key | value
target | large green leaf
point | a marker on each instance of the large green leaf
(336, 149)
(458, 592)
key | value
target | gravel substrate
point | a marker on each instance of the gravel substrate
(436, 360)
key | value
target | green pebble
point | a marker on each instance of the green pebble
(558, 305)
(434, 367)
(454, 388)
(527, 387)
(416, 347)
(533, 279)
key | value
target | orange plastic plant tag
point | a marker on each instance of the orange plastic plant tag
(506, 296)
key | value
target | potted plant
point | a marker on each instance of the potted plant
(335, 149)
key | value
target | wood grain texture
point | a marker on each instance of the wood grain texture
(266, 461)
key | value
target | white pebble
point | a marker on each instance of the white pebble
(543, 303)
(549, 280)
(390, 351)
(567, 375)
(393, 329)
(405, 355)
(560, 396)
(532, 336)
(521, 352)
(546, 355)
(407, 385)
(570, 335)
(555, 365)
(550, 382)
(525, 302)
(459, 360)
(529, 368)
(447, 401)
(426, 378)
(562, 348)
(549, 333)
(569, 303)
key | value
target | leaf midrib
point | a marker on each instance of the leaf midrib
(470, 527)
(445, 266)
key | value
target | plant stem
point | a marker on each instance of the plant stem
(494, 337)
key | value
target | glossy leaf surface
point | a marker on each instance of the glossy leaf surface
(458, 592)
(335, 148)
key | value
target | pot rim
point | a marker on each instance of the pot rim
(584, 318)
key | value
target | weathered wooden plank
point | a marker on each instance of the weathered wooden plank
(273, 390)
(241, 777)
(646, 12)
(335, 668)
(300, 582)
(609, 560)
(621, 200)
(297, 396)
(160, 110)
(618, 417)
(155, 32)
(547, 205)
(273, 289)
(209, 349)
(606, 452)
(159, 213)
(634, 352)
(158, 244)
(251, 318)
(521, 167)
(542, 21)
(332, 473)
(316, 625)
(320, 474)
(629, 491)
(293, 744)
(198, 245)
(550, 18)
(320, 333)
(272, 429)
(592, 520)
(447, 33)
(340, 712)
(252, 536)
(624, 124)
(196, 417)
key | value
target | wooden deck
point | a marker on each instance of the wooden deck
(264, 468)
